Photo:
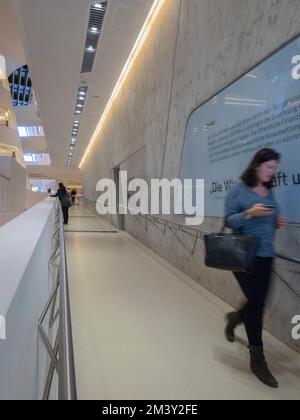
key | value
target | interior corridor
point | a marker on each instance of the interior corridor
(143, 330)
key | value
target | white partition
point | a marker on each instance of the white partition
(33, 198)
(12, 185)
(26, 246)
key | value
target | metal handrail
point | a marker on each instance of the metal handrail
(289, 259)
(199, 234)
(66, 365)
(183, 228)
(62, 353)
(194, 232)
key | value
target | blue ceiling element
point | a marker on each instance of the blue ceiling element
(21, 86)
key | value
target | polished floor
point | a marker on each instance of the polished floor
(143, 330)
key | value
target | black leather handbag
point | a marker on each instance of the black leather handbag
(230, 252)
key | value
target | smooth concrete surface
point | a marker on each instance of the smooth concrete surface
(144, 330)
(32, 198)
(25, 285)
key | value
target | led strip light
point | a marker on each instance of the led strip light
(155, 9)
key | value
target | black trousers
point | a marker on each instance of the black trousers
(255, 287)
(65, 211)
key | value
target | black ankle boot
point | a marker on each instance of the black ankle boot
(260, 368)
(233, 320)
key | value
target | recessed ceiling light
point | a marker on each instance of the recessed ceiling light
(79, 105)
(98, 6)
(142, 37)
(94, 30)
(90, 49)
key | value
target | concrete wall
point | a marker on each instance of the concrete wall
(7, 217)
(196, 48)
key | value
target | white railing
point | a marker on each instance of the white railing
(27, 282)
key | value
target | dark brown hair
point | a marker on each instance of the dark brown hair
(62, 187)
(264, 155)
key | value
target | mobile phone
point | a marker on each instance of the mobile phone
(270, 206)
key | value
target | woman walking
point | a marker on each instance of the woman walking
(251, 209)
(65, 202)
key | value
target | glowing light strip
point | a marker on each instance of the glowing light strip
(155, 9)
(242, 104)
(245, 100)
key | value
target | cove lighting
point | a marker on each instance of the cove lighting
(143, 35)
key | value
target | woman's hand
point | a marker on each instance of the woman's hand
(282, 222)
(258, 210)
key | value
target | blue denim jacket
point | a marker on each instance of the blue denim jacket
(241, 198)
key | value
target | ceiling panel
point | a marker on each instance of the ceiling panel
(54, 37)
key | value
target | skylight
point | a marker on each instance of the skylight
(37, 159)
(31, 131)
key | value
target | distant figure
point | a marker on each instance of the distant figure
(49, 191)
(65, 202)
(73, 197)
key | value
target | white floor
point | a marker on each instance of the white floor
(143, 330)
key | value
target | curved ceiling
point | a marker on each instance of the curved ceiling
(11, 44)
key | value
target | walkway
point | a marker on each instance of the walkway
(143, 330)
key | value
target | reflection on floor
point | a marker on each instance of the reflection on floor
(83, 219)
(143, 330)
